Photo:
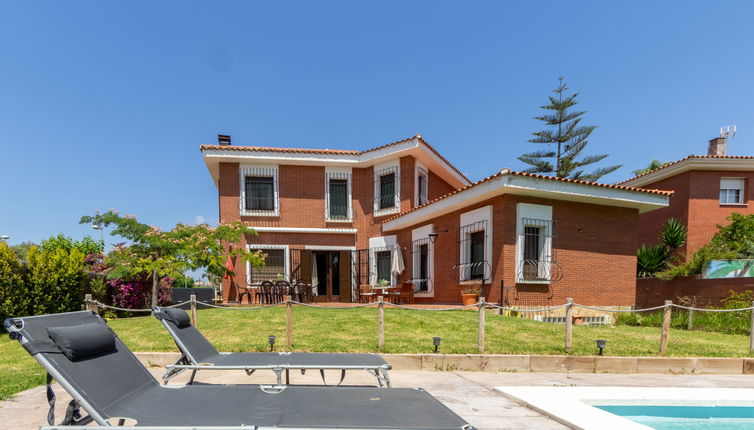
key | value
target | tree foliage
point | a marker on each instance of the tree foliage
(565, 139)
(733, 241)
(654, 164)
(14, 301)
(54, 278)
(651, 260)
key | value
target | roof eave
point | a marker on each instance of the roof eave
(687, 164)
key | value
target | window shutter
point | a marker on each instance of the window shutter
(732, 184)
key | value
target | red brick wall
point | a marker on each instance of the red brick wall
(594, 245)
(696, 203)
(707, 292)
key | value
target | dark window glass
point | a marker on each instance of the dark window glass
(531, 252)
(338, 198)
(424, 267)
(383, 265)
(422, 189)
(387, 191)
(260, 193)
(274, 266)
(476, 254)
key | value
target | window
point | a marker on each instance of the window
(387, 191)
(423, 284)
(260, 193)
(422, 184)
(731, 191)
(338, 198)
(476, 252)
(275, 266)
(532, 251)
(384, 263)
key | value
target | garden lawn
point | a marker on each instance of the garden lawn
(355, 330)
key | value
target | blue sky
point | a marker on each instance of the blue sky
(104, 104)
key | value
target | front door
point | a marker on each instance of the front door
(333, 275)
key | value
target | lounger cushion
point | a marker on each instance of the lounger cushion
(179, 317)
(84, 340)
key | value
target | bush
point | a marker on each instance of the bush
(137, 293)
(14, 299)
(54, 278)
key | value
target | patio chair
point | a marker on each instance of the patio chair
(366, 294)
(265, 293)
(282, 289)
(199, 354)
(304, 292)
(242, 291)
(393, 294)
(109, 383)
(407, 293)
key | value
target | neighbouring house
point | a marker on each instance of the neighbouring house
(342, 219)
(707, 189)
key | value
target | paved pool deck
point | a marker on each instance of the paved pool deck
(469, 394)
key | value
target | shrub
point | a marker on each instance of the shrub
(14, 299)
(136, 293)
(54, 278)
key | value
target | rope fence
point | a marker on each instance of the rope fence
(480, 306)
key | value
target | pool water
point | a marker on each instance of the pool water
(686, 417)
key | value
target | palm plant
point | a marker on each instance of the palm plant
(653, 259)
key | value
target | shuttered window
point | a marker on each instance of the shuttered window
(731, 191)
(338, 198)
(387, 191)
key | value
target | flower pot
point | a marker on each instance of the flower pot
(469, 299)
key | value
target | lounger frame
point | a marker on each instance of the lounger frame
(188, 362)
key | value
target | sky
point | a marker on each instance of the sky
(104, 104)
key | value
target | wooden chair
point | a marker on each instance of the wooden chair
(407, 293)
(393, 294)
(366, 294)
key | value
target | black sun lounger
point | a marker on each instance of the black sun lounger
(198, 354)
(105, 379)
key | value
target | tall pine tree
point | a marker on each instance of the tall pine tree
(565, 139)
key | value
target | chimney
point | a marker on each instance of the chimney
(223, 139)
(718, 146)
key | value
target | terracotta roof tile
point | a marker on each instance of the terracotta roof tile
(507, 171)
(672, 163)
(332, 151)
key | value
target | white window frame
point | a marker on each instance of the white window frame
(286, 258)
(382, 170)
(417, 234)
(532, 211)
(732, 184)
(420, 199)
(376, 244)
(342, 174)
(482, 216)
(245, 171)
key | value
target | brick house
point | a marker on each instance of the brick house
(707, 189)
(341, 219)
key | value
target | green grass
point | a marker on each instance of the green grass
(355, 330)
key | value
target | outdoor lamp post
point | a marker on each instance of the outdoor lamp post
(432, 237)
(4, 237)
(436, 342)
(601, 344)
(271, 338)
(101, 234)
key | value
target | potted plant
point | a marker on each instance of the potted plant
(470, 294)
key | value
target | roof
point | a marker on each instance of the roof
(510, 173)
(710, 162)
(418, 137)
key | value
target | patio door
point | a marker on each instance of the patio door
(333, 275)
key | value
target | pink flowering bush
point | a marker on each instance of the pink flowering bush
(136, 293)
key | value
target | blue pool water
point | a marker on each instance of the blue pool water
(686, 417)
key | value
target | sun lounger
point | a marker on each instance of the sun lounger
(107, 381)
(199, 354)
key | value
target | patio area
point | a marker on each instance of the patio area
(470, 394)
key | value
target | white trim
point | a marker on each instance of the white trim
(381, 243)
(286, 258)
(472, 217)
(733, 184)
(715, 164)
(342, 173)
(417, 234)
(528, 186)
(245, 170)
(305, 230)
(380, 170)
(329, 248)
(528, 210)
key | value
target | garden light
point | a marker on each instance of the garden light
(436, 342)
(601, 344)
(432, 237)
(271, 338)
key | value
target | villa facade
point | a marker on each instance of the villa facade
(403, 213)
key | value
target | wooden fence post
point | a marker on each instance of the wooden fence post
(569, 326)
(289, 322)
(690, 322)
(751, 332)
(89, 303)
(380, 323)
(667, 313)
(480, 329)
(193, 309)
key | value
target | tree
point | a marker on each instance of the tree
(651, 260)
(21, 249)
(569, 139)
(654, 164)
(14, 299)
(170, 253)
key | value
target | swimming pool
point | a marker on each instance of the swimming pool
(686, 417)
(640, 408)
